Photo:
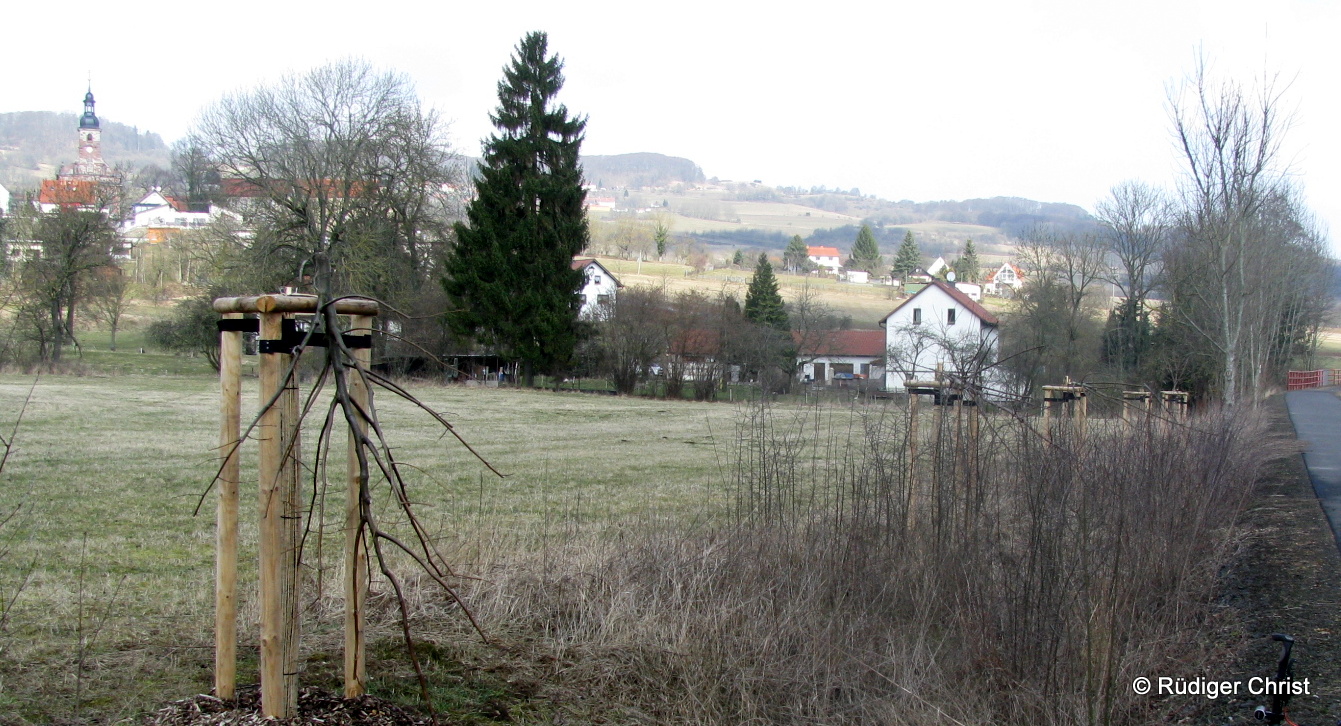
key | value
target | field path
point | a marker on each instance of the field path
(1316, 415)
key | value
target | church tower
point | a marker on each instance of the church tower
(90, 135)
(89, 166)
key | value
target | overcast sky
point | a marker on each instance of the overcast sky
(1054, 101)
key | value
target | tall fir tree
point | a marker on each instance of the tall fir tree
(967, 267)
(796, 257)
(763, 303)
(865, 252)
(907, 259)
(510, 278)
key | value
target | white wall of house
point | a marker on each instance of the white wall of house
(858, 277)
(973, 291)
(601, 287)
(822, 369)
(929, 328)
(4, 200)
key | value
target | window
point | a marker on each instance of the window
(950, 316)
(596, 279)
(917, 316)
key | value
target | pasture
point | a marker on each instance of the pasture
(107, 577)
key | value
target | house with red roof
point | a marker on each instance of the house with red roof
(827, 258)
(839, 357)
(938, 326)
(598, 290)
(1004, 281)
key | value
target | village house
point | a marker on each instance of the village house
(840, 357)
(826, 258)
(4, 200)
(938, 326)
(599, 290)
(157, 216)
(1004, 281)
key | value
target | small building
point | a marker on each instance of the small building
(856, 277)
(826, 258)
(4, 200)
(938, 326)
(938, 268)
(1004, 281)
(599, 290)
(973, 290)
(840, 357)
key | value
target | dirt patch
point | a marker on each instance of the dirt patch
(1286, 579)
(315, 706)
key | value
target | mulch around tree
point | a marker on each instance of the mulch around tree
(315, 706)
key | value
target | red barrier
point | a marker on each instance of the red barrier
(1299, 380)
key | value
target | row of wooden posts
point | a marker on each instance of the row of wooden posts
(279, 436)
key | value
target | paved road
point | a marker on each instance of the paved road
(1317, 421)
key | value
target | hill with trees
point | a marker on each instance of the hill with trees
(34, 145)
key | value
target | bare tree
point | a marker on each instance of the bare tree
(107, 299)
(73, 244)
(633, 333)
(346, 157)
(1137, 221)
(1241, 227)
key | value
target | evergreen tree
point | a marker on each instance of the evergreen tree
(738, 259)
(865, 252)
(510, 278)
(967, 267)
(763, 303)
(907, 259)
(797, 256)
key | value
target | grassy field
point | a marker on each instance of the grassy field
(865, 304)
(106, 469)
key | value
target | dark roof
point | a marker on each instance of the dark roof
(959, 297)
(582, 264)
(841, 342)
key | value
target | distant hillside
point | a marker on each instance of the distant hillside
(34, 144)
(639, 170)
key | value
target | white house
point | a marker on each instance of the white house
(840, 357)
(1005, 280)
(938, 325)
(825, 257)
(157, 211)
(600, 288)
(938, 268)
(857, 277)
(4, 200)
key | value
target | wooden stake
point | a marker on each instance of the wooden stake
(225, 573)
(356, 558)
(276, 693)
(292, 505)
(910, 517)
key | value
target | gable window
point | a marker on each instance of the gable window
(596, 279)
(917, 316)
(950, 316)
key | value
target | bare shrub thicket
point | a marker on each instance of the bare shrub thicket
(1027, 582)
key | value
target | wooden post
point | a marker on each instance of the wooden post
(225, 573)
(278, 696)
(292, 505)
(1080, 409)
(910, 517)
(356, 558)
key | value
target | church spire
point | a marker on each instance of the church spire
(89, 120)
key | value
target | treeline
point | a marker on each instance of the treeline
(1221, 284)
(637, 170)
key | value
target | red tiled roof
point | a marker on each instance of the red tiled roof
(822, 251)
(582, 264)
(959, 297)
(840, 342)
(68, 192)
(697, 341)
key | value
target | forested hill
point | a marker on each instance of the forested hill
(34, 144)
(639, 170)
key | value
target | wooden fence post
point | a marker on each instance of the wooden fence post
(356, 558)
(225, 573)
(277, 548)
